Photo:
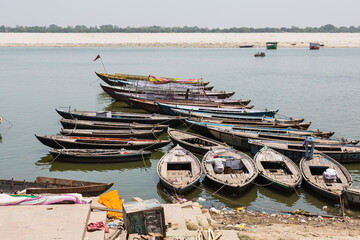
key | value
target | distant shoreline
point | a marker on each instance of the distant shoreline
(178, 40)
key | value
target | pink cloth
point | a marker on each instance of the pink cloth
(97, 226)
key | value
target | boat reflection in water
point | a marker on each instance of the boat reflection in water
(222, 197)
(279, 198)
(87, 167)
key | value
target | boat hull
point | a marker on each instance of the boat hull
(113, 134)
(227, 188)
(74, 124)
(101, 159)
(296, 155)
(173, 122)
(182, 190)
(55, 186)
(58, 144)
(277, 185)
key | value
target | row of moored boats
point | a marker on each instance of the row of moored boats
(276, 142)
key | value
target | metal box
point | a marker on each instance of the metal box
(144, 217)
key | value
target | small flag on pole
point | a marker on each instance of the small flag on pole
(97, 57)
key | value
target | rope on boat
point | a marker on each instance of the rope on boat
(296, 191)
(218, 189)
(1, 117)
(7, 120)
(51, 161)
(293, 122)
(263, 185)
(57, 142)
(227, 199)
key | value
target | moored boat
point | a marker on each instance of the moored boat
(352, 195)
(278, 170)
(289, 131)
(314, 170)
(295, 150)
(229, 169)
(168, 86)
(168, 109)
(109, 116)
(124, 133)
(76, 142)
(152, 106)
(109, 78)
(87, 124)
(99, 155)
(246, 46)
(44, 185)
(191, 141)
(239, 138)
(201, 126)
(114, 91)
(179, 170)
(239, 120)
(171, 97)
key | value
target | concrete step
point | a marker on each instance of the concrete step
(96, 216)
(44, 222)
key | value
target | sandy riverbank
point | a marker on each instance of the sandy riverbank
(181, 40)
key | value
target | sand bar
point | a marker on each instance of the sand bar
(180, 40)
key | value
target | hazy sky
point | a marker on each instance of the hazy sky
(202, 13)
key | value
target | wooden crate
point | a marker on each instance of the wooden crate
(144, 217)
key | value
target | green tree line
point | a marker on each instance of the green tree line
(328, 28)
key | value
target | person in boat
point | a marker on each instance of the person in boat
(187, 94)
(330, 175)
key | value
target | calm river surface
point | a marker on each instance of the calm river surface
(321, 86)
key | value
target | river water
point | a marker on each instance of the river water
(321, 86)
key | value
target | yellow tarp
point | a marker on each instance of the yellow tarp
(112, 200)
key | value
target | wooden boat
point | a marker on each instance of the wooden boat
(76, 142)
(114, 90)
(239, 138)
(191, 141)
(239, 172)
(99, 155)
(270, 120)
(246, 46)
(312, 170)
(152, 106)
(239, 120)
(84, 124)
(43, 185)
(109, 78)
(124, 97)
(271, 45)
(314, 46)
(352, 195)
(124, 133)
(179, 170)
(169, 86)
(201, 125)
(109, 116)
(296, 151)
(259, 54)
(146, 88)
(277, 169)
(289, 131)
(168, 109)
